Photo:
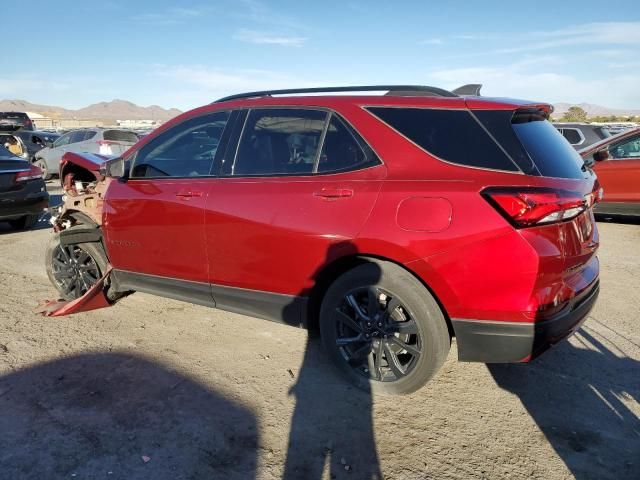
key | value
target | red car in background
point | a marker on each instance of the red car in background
(616, 161)
(393, 223)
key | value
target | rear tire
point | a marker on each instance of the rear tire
(24, 223)
(74, 269)
(39, 162)
(399, 348)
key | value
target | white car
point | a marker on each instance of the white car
(104, 141)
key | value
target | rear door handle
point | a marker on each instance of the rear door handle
(330, 193)
(186, 194)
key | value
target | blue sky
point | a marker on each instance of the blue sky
(188, 53)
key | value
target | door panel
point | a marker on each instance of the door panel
(156, 227)
(620, 179)
(154, 221)
(620, 174)
(274, 234)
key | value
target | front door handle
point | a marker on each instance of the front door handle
(186, 194)
(332, 193)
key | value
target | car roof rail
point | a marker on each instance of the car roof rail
(398, 90)
(470, 89)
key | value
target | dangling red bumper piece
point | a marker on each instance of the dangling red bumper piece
(93, 299)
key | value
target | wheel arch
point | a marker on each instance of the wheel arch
(331, 271)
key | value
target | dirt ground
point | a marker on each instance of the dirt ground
(155, 389)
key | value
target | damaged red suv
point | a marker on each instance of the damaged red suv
(392, 222)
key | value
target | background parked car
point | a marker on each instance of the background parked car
(581, 135)
(23, 195)
(109, 141)
(31, 141)
(616, 160)
(15, 121)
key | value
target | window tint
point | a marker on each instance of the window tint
(628, 149)
(120, 136)
(186, 150)
(552, 154)
(279, 141)
(78, 136)
(18, 119)
(452, 135)
(341, 149)
(572, 135)
(63, 140)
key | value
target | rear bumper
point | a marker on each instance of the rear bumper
(510, 342)
(21, 204)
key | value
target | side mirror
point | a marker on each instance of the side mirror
(601, 155)
(48, 143)
(116, 168)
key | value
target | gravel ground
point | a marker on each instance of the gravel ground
(154, 388)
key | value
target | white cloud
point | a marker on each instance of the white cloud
(519, 81)
(266, 38)
(194, 85)
(603, 33)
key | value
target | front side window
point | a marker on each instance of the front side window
(279, 142)
(186, 150)
(628, 149)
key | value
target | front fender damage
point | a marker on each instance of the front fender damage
(94, 299)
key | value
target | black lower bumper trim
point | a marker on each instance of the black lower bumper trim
(509, 342)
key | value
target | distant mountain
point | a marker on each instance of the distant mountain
(593, 110)
(113, 110)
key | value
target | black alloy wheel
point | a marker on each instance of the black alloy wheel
(376, 334)
(383, 328)
(74, 270)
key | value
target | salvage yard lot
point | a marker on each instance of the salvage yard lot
(155, 388)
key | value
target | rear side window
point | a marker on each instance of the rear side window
(120, 136)
(572, 135)
(78, 136)
(451, 135)
(342, 150)
(279, 142)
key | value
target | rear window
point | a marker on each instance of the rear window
(14, 118)
(120, 136)
(451, 135)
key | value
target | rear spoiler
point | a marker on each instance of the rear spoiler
(470, 89)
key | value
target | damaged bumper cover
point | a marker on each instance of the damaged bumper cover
(94, 299)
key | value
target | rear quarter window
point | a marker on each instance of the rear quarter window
(120, 136)
(572, 135)
(551, 153)
(454, 136)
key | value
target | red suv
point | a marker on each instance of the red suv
(392, 222)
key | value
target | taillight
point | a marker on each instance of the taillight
(526, 207)
(105, 147)
(31, 174)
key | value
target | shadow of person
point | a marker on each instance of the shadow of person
(331, 433)
(109, 415)
(579, 397)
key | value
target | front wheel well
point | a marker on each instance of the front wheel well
(332, 271)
